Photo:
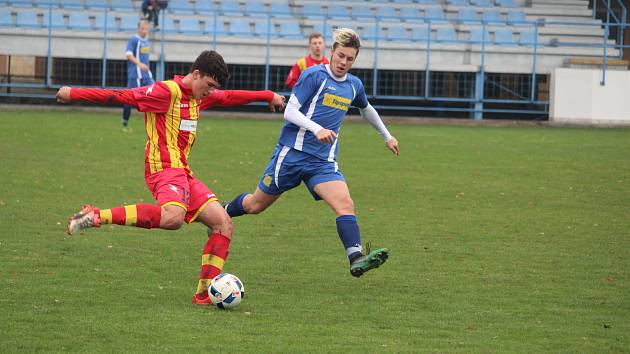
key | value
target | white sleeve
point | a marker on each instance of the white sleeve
(372, 116)
(292, 114)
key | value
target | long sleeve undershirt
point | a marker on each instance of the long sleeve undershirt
(292, 114)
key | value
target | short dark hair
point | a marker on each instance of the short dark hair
(211, 63)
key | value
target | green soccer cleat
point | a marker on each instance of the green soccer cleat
(369, 261)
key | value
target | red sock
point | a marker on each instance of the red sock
(213, 257)
(140, 215)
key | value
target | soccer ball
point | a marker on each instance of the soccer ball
(226, 291)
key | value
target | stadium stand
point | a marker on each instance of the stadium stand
(72, 4)
(396, 33)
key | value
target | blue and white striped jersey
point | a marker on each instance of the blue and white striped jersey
(324, 99)
(139, 48)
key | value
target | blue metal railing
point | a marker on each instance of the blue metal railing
(477, 101)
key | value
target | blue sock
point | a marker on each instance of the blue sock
(348, 231)
(235, 207)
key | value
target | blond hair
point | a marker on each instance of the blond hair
(346, 37)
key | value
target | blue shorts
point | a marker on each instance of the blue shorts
(288, 167)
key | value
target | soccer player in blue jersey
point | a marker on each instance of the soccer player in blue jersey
(308, 145)
(138, 65)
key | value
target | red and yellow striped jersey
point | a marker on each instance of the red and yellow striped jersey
(301, 65)
(171, 115)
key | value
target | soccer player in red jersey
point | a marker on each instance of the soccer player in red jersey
(316, 57)
(171, 112)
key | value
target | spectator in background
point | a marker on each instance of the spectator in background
(138, 65)
(316, 56)
(151, 10)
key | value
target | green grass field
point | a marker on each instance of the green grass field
(503, 240)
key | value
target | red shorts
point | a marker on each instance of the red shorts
(174, 186)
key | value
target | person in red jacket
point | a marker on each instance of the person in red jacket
(316, 57)
(171, 113)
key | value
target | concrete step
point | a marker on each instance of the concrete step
(583, 3)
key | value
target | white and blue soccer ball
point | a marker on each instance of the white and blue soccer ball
(226, 291)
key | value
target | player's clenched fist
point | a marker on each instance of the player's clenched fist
(63, 95)
(326, 136)
(277, 103)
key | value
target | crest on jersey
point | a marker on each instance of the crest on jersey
(267, 180)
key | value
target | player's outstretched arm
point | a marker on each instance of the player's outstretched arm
(67, 94)
(227, 98)
(371, 115)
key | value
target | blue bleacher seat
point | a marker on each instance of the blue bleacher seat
(240, 27)
(507, 3)
(99, 23)
(371, 31)
(386, 12)
(72, 4)
(27, 19)
(467, 15)
(528, 38)
(22, 3)
(95, 4)
(211, 27)
(290, 29)
(262, 27)
(397, 33)
(458, 3)
(327, 32)
(205, 7)
(56, 20)
(413, 14)
(516, 16)
(420, 33)
(180, 7)
(403, 1)
(46, 4)
(435, 14)
(427, 2)
(122, 5)
(361, 11)
(338, 12)
(504, 35)
(5, 18)
(129, 23)
(230, 8)
(313, 10)
(255, 8)
(189, 25)
(483, 3)
(477, 35)
(279, 9)
(79, 21)
(446, 33)
(492, 16)
(168, 26)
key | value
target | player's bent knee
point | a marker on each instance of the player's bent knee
(172, 218)
(344, 206)
(172, 223)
